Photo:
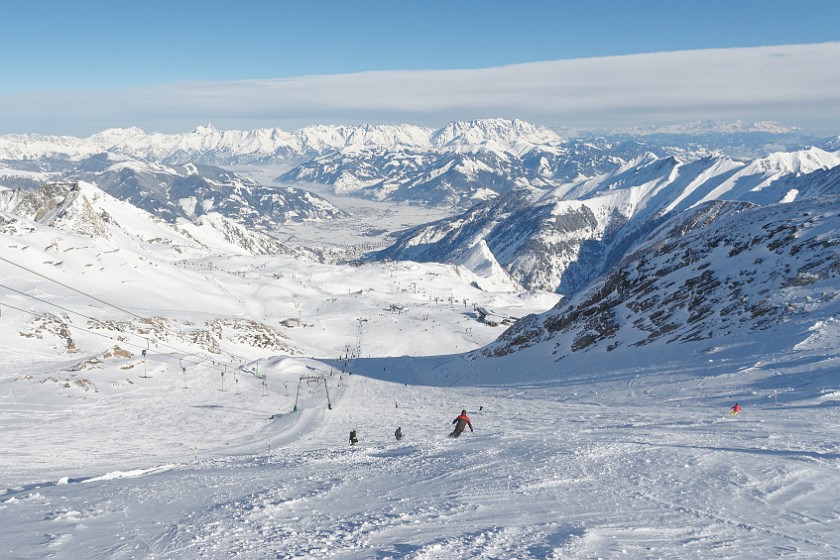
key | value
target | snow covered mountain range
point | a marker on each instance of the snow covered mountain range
(545, 211)
(176, 382)
(171, 192)
(458, 164)
(659, 250)
(83, 209)
(562, 238)
(207, 145)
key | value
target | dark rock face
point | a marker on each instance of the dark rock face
(725, 268)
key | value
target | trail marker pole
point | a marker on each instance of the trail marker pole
(145, 370)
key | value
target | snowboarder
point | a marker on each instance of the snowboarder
(735, 410)
(353, 439)
(461, 421)
(398, 434)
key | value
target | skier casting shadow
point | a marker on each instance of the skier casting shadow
(353, 439)
(461, 422)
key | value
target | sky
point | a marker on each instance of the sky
(77, 68)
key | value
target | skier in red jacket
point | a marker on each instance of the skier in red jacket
(461, 422)
(735, 410)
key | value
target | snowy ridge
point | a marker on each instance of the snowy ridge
(476, 161)
(207, 145)
(189, 191)
(84, 209)
(562, 239)
(778, 171)
(456, 166)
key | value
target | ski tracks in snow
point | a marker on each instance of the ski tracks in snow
(543, 476)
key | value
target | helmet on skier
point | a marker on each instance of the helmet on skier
(463, 411)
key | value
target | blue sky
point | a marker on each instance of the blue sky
(51, 47)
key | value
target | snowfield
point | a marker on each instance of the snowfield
(637, 463)
(229, 439)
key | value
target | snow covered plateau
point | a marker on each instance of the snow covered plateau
(186, 344)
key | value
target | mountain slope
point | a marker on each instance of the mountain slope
(190, 191)
(725, 270)
(567, 236)
(84, 209)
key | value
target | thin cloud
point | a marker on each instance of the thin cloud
(796, 85)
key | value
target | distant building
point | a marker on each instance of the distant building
(494, 318)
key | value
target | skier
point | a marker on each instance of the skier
(461, 422)
(353, 439)
(398, 434)
(735, 410)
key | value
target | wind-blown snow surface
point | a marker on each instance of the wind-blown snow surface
(607, 455)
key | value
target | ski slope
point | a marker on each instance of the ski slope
(648, 464)
(628, 454)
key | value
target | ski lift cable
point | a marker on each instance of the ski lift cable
(36, 273)
(175, 351)
(211, 365)
(78, 291)
(124, 342)
(171, 331)
(158, 343)
(53, 304)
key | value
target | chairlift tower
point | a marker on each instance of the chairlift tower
(316, 379)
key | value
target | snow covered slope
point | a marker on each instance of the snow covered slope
(228, 439)
(725, 270)
(84, 209)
